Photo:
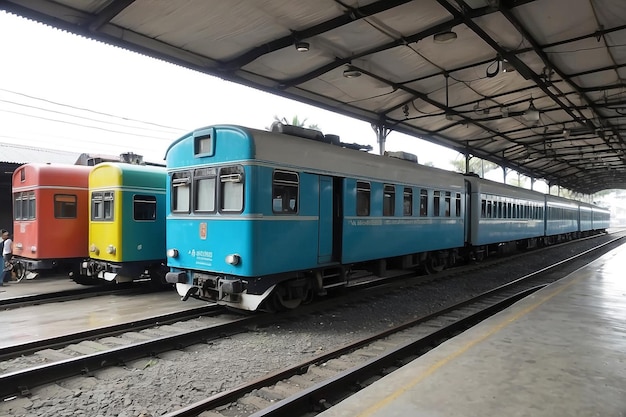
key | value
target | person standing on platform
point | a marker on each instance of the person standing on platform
(7, 254)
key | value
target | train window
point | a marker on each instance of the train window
(389, 200)
(144, 207)
(423, 203)
(500, 212)
(407, 202)
(181, 192)
(108, 205)
(362, 198)
(22, 175)
(483, 208)
(489, 209)
(203, 143)
(102, 205)
(448, 204)
(458, 204)
(285, 187)
(24, 205)
(436, 203)
(31, 205)
(205, 185)
(509, 213)
(64, 206)
(231, 189)
(17, 206)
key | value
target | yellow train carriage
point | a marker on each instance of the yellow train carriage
(126, 223)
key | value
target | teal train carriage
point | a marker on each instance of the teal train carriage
(126, 223)
(264, 220)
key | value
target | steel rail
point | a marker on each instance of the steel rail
(22, 349)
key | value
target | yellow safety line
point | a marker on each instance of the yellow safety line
(387, 400)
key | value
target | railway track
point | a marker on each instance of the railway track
(21, 382)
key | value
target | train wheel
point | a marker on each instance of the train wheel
(434, 265)
(281, 300)
(19, 270)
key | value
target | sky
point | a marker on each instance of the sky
(62, 91)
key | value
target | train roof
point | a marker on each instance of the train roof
(122, 174)
(481, 185)
(554, 200)
(324, 158)
(41, 174)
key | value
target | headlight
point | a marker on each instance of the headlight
(94, 249)
(233, 259)
(172, 253)
(111, 250)
(33, 249)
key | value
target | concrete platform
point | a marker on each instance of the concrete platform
(28, 324)
(40, 285)
(559, 352)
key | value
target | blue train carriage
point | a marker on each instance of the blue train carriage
(503, 217)
(561, 220)
(263, 220)
(127, 223)
(585, 216)
(600, 218)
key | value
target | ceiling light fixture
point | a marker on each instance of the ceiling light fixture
(507, 66)
(444, 37)
(531, 114)
(566, 133)
(302, 46)
(351, 72)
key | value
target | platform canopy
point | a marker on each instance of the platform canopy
(535, 86)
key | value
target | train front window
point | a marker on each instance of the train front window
(285, 187)
(102, 205)
(231, 189)
(24, 205)
(205, 180)
(64, 206)
(181, 192)
(144, 207)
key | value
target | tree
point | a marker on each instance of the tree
(295, 121)
(476, 165)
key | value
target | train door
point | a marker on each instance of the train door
(325, 229)
(469, 209)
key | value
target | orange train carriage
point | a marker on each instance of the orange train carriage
(50, 218)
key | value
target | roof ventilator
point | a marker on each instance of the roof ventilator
(402, 155)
